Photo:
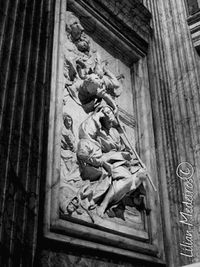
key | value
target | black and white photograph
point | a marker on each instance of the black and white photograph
(100, 133)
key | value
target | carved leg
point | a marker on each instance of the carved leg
(104, 204)
(116, 192)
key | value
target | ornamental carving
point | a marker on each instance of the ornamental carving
(102, 179)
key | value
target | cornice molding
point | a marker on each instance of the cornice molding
(127, 35)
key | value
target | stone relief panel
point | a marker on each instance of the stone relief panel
(102, 181)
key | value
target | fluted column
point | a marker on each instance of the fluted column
(174, 77)
(25, 28)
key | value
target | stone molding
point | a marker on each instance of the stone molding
(73, 232)
(128, 37)
(197, 264)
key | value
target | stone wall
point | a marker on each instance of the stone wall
(58, 255)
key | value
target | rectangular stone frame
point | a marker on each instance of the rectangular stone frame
(71, 231)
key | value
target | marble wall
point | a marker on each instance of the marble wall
(58, 258)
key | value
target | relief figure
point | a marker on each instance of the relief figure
(89, 80)
(101, 152)
(99, 171)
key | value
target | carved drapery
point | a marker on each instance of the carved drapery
(91, 142)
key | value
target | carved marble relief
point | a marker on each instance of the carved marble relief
(101, 176)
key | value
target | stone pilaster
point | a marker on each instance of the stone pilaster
(24, 48)
(173, 71)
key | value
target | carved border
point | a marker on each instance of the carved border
(56, 228)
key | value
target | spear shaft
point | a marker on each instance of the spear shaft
(136, 154)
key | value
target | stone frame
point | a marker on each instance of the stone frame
(149, 248)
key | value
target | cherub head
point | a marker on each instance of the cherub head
(76, 32)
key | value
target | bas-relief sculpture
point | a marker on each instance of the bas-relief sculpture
(101, 177)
